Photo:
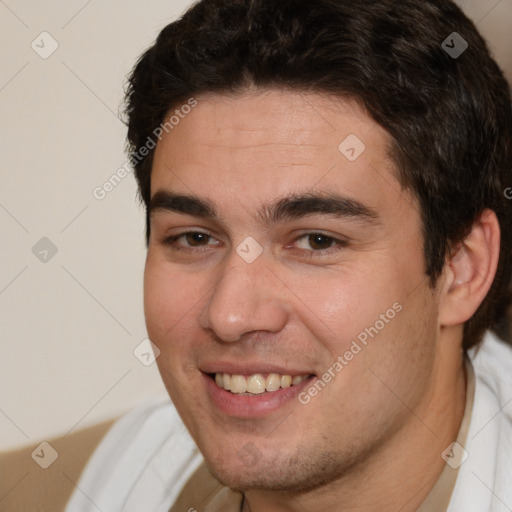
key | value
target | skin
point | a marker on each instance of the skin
(388, 415)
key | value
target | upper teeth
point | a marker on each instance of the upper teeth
(256, 384)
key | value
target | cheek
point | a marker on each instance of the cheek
(341, 305)
(370, 310)
(168, 299)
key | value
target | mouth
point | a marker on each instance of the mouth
(254, 395)
(256, 384)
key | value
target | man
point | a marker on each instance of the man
(328, 242)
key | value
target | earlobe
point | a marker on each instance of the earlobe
(470, 271)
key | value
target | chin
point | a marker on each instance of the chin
(284, 474)
(245, 479)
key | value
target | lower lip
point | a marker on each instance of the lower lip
(256, 406)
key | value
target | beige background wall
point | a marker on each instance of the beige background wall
(70, 321)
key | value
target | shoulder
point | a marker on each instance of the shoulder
(488, 450)
(492, 361)
(142, 462)
(41, 476)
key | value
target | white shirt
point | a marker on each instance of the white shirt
(146, 458)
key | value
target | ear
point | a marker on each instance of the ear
(470, 271)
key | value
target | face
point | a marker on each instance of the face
(279, 248)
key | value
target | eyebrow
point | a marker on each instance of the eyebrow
(294, 206)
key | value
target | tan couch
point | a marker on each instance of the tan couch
(27, 487)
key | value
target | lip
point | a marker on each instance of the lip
(248, 369)
(257, 406)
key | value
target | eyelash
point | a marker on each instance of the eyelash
(338, 244)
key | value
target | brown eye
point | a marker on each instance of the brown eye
(195, 239)
(320, 242)
(190, 240)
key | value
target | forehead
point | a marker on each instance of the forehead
(254, 118)
(269, 143)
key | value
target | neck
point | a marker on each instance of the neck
(404, 469)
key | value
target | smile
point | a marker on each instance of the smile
(256, 384)
(254, 395)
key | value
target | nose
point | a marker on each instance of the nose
(246, 297)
